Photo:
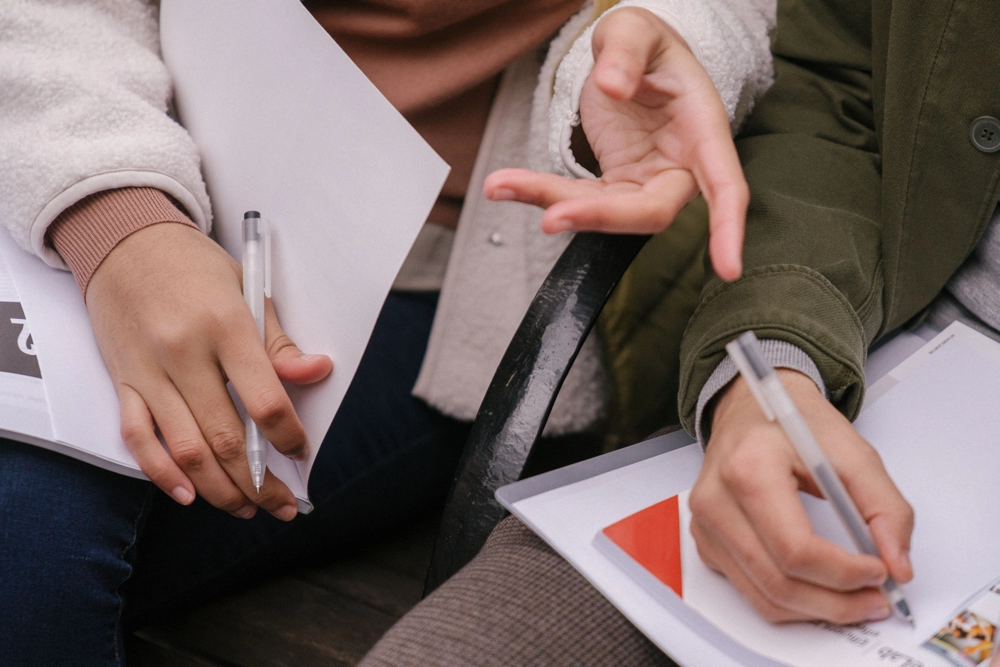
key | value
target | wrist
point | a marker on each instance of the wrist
(86, 233)
(736, 403)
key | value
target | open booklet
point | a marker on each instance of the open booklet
(933, 419)
(287, 125)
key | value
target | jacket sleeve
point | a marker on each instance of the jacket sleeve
(730, 38)
(84, 105)
(812, 257)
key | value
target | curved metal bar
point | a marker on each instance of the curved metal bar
(524, 387)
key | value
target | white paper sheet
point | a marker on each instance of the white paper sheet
(935, 426)
(288, 126)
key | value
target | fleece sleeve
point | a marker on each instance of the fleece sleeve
(730, 38)
(84, 104)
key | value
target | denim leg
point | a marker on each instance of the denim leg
(387, 458)
(67, 538)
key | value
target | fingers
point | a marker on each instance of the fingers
(625, 43)
(720, 179)
(781, 599)
(767, 496)
(139, 435)
(624, 209)
(589, 205)
(888, 514)
(537, 188)
(248, 367)
(204, 391)
(191, 452)
(288, 361)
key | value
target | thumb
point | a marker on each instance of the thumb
(289, 362)
(625, 42)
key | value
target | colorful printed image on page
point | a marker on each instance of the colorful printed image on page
(967, 640)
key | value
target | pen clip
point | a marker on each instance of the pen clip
(746, 370)
(265, 237)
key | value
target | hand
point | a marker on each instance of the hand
(168, 313)
(750, 525)
(660, 134)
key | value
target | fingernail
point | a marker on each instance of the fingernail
(560, 225)
(617, 77)
(300, 454)
(502, 194)
(311, 357)
(182, 495)
(879, 613)
(876, 581)
(287, 513)
(245, 512)
(905, 557)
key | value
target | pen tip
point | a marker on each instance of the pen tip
(258, 487)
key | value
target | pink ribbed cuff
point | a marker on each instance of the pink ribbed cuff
(86, 232)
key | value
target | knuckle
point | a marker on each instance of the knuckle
(271, 408)
(278, 343)
(792, 555)
(133, 433)
(228, 443)
(158, 472)
(777, 589)
(189, 454)
(230, 502)
(772, 614)
(741, 472)
(907, 514)
(174, 342)
(270, 498)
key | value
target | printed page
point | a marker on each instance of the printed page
(936, 430)
(24, 408)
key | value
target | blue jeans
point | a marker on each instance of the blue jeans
(86, 555)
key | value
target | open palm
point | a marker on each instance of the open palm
(660, 134)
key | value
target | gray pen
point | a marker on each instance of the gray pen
(776, 403)
(256, 285)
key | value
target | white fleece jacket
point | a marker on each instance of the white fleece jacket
(83, 108)
(84, 101)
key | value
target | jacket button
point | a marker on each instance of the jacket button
(985, 134)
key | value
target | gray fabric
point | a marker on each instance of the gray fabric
(976, 284)
(423, 269)
(517, 603)
(946, 309)
(780, 355)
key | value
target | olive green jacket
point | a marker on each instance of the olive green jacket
(867, 191)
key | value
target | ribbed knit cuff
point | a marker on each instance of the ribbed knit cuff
(778, 353)
(86, 232)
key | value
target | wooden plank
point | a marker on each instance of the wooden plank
(408, 553)
(328, 615)
(151, 652)
(285, 622)
(359, 579)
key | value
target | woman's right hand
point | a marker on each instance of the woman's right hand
(750, 525)
(168, 313)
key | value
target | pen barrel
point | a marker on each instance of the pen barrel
(253, 281)
(255, 278)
